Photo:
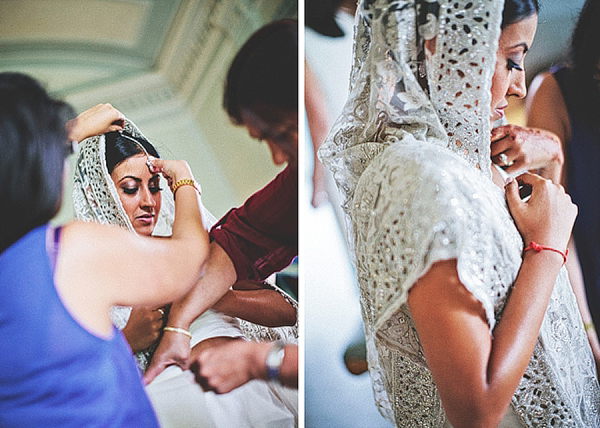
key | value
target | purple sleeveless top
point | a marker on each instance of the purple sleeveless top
(53, 372)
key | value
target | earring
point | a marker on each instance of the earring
(422, 69)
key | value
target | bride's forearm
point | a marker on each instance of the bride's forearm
(516, 333)
(219, 275)
(476, 372)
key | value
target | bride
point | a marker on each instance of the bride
(469, 315)
(114, 185)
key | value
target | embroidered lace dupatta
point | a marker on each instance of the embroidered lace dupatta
(414, 167)
(386, 99)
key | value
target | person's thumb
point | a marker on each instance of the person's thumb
(153, 370)
(511, 189)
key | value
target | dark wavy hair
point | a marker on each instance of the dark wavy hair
(320, 16)
(121, 146)
(518, 10)
(33, 143)
(264, 73)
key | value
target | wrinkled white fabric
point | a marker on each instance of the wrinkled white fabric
(411, 153)
(180, 402)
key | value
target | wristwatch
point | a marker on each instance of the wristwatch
(274, 360)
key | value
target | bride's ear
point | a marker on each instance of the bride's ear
(430, 46)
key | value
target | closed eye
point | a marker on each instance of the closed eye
(130, 190)
(512, 65)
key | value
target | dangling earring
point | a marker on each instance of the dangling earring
(422, 68)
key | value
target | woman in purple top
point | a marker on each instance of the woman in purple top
(64, 364)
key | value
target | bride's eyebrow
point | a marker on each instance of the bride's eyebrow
(139, 180)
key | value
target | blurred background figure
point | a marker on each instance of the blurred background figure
(253, 241)
(566, 101)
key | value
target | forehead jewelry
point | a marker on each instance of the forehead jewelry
(142, 148)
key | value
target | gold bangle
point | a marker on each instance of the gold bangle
(187, 182)
(588, 326)
(178, 330)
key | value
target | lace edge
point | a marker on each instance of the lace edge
(423, 268)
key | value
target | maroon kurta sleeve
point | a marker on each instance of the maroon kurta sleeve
(261, 236)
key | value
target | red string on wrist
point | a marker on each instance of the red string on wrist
(539, 248)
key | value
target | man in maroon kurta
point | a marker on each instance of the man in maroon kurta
(261, 236)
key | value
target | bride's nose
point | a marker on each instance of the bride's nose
(518, 87)
(147, 199)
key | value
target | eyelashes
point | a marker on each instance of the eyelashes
(133, 190)
(512, 65)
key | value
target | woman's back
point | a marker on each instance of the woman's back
(58, 373)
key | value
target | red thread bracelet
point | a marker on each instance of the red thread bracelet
(539, 248)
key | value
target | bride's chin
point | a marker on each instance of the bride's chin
(145, 230)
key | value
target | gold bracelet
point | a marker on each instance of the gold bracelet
(588, 326)
(187, 182)
(178, 330)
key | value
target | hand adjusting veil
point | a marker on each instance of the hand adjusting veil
(96, 199)
(95, 196)
(411, 155)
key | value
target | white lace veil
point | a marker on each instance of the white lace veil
(95, 196)
(420, 202)
(443, 99)
(399, 95)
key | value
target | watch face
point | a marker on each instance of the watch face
(274, 360)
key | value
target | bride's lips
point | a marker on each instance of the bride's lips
(500, 111)
(146, 218)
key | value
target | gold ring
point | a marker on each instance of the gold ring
(162, 312)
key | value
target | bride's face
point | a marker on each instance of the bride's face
(509, 75)
(139, 192)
